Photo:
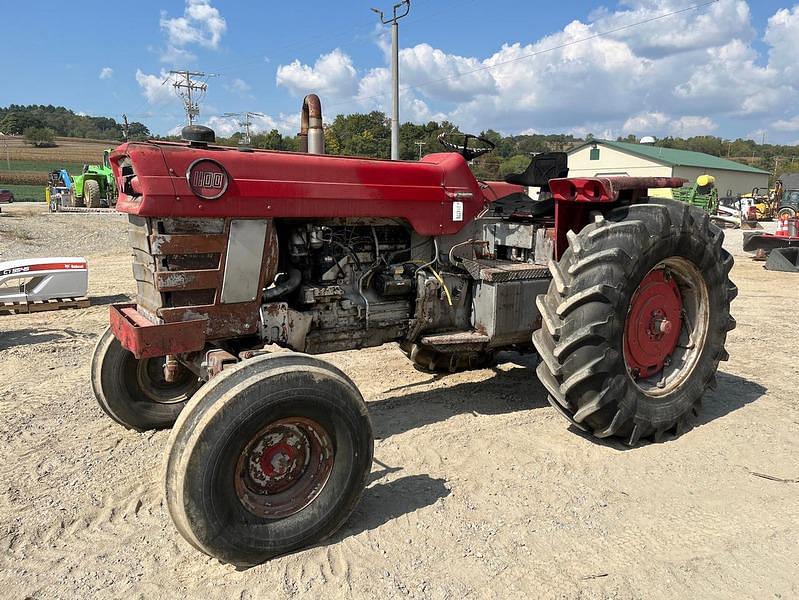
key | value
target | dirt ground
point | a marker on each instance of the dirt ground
(479, 488)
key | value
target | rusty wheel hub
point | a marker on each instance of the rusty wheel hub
(666, 326)
(284, 467)
(653, 324)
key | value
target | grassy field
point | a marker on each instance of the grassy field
(26, 193)
(38, 165)
(25, 168)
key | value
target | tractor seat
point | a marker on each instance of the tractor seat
(542, 168)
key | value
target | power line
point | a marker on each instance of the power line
(243, 121)
(190, 91)
(545, 50)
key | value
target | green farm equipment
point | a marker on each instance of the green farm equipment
(95, 186)
(702, 194)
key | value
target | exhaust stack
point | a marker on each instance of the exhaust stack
(312, 135)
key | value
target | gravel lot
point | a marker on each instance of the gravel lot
(479, 488)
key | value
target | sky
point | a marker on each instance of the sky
(644, 67)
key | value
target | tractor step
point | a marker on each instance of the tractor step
(18, 308)
(499, 271)
(458, 341)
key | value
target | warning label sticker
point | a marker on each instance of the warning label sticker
(457, 211)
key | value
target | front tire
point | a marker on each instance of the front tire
(269, 457)
(786, 213)
(91, 194)
(133, 391)
(635, 320)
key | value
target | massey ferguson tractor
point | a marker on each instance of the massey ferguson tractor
(625, 299)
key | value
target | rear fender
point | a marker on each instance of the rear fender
(576, 197)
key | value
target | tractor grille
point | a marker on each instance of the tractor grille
(178, 265)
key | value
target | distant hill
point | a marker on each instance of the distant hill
(16, 118)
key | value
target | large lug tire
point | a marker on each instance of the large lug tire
(269, 457)
(91, 193)
(635, 320)
(133, 391)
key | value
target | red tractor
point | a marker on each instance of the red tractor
(624, 298)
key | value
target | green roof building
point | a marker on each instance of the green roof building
(603, 157)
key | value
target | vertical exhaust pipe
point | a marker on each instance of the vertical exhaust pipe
(312, 135)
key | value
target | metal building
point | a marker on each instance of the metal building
(603, 157)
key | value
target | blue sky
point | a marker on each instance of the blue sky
(728, 68)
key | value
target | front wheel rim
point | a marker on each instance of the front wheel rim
(284, 467)
(666, 327)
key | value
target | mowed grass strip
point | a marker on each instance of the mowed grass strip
(25, 193)
(37, 165)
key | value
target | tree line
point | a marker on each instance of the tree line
(40, 124)
(369, 134)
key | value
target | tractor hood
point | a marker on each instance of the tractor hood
(436, 195)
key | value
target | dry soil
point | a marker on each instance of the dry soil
(479, 488)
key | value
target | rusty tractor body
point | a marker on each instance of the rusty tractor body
(625, 299)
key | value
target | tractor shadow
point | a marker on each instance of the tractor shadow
(31, 336)
(518, 389)
(507, 391)
(384, 502)
(111, 299)
(733, 392)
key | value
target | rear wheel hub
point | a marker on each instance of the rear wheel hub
(653, 324)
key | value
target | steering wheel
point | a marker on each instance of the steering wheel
(464, 149)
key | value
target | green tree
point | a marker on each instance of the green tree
(41, 137)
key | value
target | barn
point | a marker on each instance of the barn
(603, 157)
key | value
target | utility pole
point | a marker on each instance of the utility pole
(420, 144)
(406, 5)
(190, 91)
(244, 123)
(5, 143)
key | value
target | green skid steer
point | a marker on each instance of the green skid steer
(95, 187)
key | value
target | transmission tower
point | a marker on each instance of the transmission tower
(190, 90)
(243, 121)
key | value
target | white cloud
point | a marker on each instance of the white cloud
(660, 124)
(782, 35)
(374, 93)
(154, 87)
(201, 24)
(227, 126)
(106, 73)
(695, 72)
(239, 86)
(332, 75)
(787, 124)
(177, 56)
(643, 27)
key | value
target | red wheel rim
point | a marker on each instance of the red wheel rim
(284, 467)
(653, 324)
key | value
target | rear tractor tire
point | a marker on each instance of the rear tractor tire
(133, 392)
(91, 193)
(269, 457)
(635, 320)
